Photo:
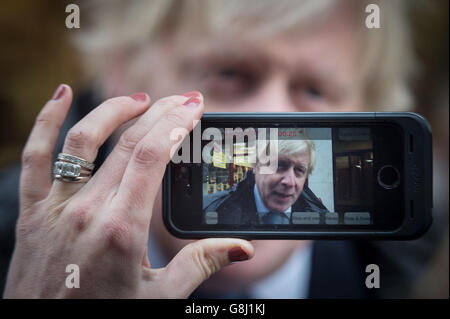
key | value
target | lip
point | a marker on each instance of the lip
(283, 196)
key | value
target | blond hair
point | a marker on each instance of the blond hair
(124, 28)
(296, 147)
(291, 147)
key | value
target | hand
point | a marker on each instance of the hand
(103, 225)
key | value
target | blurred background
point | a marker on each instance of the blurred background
(36, 56)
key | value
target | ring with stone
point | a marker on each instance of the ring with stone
(77, 170)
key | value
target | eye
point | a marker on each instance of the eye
(309, 94)
(300, 171)
(228, 73)
(309, 91)
(314, 91)
(227, 82)
(282, 166)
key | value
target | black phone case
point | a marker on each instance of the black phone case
(417, 174)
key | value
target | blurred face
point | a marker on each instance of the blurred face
(281, 190)
(315, 69)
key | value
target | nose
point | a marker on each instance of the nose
(272, 96)
(288, 178)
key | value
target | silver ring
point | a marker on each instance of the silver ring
(76, 160)
(79, 179)
(68, 172)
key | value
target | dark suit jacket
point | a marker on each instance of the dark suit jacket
(338, 267)
(237, 205)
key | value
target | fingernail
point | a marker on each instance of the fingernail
(192, 102)
(237, 254)
(59, 92)
(192, 94)
(139, 96)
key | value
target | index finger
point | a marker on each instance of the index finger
(145, 170)
(36, 177)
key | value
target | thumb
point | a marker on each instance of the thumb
(197, 261)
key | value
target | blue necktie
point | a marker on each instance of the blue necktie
(275, 218)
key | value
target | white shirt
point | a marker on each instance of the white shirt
(290, 281)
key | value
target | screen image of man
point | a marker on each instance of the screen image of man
(261, 198)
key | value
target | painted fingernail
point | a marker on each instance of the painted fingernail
(59, 92)
(237, 254)
(192, 94)
(192, 102)
(139, 96)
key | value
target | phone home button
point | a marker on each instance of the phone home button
(388, 177)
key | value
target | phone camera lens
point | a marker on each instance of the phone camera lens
(388, 177)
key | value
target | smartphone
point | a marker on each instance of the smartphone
(301, 176)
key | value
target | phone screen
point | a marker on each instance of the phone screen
(295, 178)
